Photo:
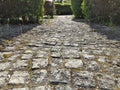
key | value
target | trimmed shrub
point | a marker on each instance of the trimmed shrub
(63, 9)
(103, 10)
(28, 10)
(76, 8)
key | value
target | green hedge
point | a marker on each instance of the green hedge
(63, 9)
(28, 10)
(76, 8)
(102, 11)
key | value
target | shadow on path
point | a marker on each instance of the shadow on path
(8, 32)
(112, 33)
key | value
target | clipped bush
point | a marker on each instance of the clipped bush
(76, 8)
(103, 10)
(63, 9)
(25, 9)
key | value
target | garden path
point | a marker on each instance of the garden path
(61, 54)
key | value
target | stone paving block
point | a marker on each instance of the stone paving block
(28, 51)
(61, 76)
(42, 54)
(88, 56)
(84, 79)
(106, 82)
(93, 66)
(1, 56)
(41, 88)
(40, 77)
(102, 59)
(20, 65)
(73, 63)
(19, 77)
(56, 55)
(56, 48)
(13, 57)
(5, 65)
(118, 84)
(3, 78)
(9, 48)
(40, 63)
(63, 87)
(26, 88)
(26, 56)
(70, 53)
(2, 82)
(7, 54)
(56, 62)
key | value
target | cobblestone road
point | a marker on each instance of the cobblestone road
(61, 54)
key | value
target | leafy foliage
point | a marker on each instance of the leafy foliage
(28, 10)
(63, 9)
(76, 8)
(103, 10)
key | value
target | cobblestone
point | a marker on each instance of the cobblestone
(20, 77)
(60, 54)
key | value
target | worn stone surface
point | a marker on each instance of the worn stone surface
(20, 65)
(3, 78)
(41, 88)
(84, 79)
(60, 54)
(20, 77)
(40, 77)
(106, 82)
(26, 56)
(73, 63)
(40, 63)
(26, 88)
(4, 66)
(60, 76)
(63, 87)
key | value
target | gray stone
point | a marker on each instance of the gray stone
(26, 56)
(102, 59)
(63, 87)
(97, 52)
(70, 53)
(40, 77)
(13, 57)
(56, 49)
(89, 57)
(42, 54)
(4, 66)
(74, 63)
(7, 54)
(4, 74)
(2, 82)
(61, 76)
(1, 56)
(20, 64)
(106, 82)
(84, 79)
(56, 55)
(56, 62)
(93, 66)
(41, 88)
(3, 78)
(19, 77)
(118, 82)
(28, 52)
(9, 48)
(26, 88)
(40, 63)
